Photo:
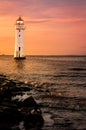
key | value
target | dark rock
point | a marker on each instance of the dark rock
(5, 128)
(9, 117)
(32, 113)
(21, 89)
(29, 102)
(9, 83)
(12, 112)
(34, 120)
(2, 79)
(15, 128)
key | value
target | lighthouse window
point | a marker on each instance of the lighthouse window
(19, 48)
(19, 35)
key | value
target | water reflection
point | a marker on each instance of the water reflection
(20, 64)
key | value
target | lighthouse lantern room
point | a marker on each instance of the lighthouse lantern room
(19, 39)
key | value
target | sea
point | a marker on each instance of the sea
(59, 86)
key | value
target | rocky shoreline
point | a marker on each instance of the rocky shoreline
(17, 114)
(32, 106)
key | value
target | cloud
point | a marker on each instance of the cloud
(37, 21)
(44, 9)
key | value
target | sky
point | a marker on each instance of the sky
(52, 27)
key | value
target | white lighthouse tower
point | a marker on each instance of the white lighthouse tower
(19, 39)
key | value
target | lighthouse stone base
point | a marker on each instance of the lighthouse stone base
(19, 58)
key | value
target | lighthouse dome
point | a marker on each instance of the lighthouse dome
(19, 21)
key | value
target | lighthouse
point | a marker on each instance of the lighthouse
(19, 39)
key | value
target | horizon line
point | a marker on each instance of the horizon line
(47, 55)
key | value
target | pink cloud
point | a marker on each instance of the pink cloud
(37, 21)
(42, 9)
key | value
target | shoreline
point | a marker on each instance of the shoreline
(56, 110)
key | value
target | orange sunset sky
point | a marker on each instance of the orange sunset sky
(53, 27)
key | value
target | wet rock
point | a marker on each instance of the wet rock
(33, 120)
(12, 112)
(9, 83)
(34, 117)
(15, 128)
(9, 117)
(29, 102)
